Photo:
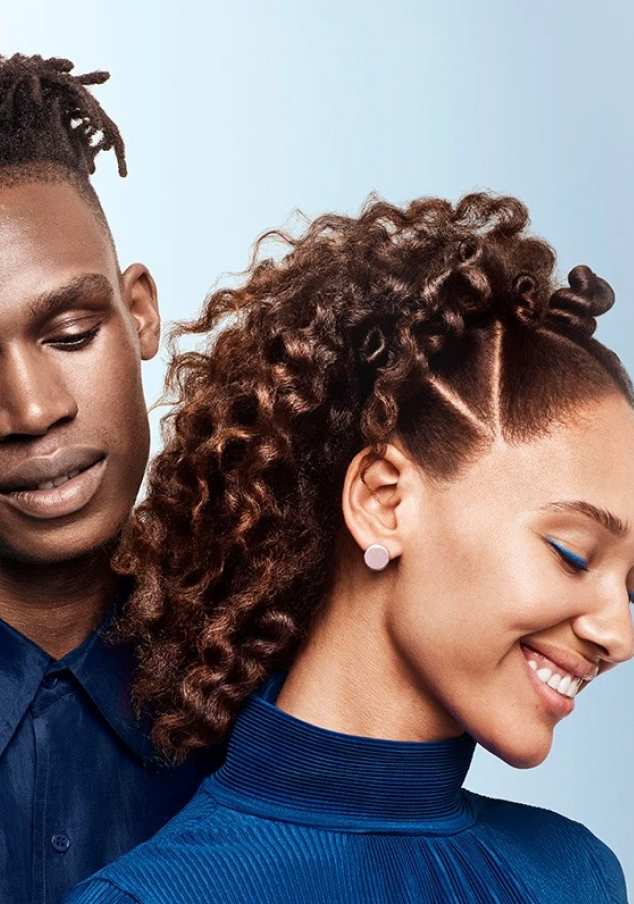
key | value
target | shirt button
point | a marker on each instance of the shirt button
(60, 843)
(49, 681)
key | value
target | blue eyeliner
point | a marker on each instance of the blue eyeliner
(577, 561)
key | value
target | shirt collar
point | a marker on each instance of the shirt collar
(103, 669)
(24, 664)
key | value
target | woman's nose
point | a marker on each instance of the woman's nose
(609, 626)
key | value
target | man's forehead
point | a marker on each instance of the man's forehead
(52, 248)
(41, 200)
(48, 234)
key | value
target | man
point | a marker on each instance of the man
(78, 781)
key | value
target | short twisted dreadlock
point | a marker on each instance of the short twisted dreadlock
(51, 126)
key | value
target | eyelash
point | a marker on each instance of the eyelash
(577, 563)
(77, 341)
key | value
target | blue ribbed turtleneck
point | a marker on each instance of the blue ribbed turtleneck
(278, 765)
(299, 814)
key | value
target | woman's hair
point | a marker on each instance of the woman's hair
(437, 324)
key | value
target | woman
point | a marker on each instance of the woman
(403, 473)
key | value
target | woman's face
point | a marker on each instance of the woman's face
(514, 581)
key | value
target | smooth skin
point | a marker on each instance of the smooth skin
(439, 642)
(73, 332)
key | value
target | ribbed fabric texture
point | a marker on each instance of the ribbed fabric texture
(298, 814)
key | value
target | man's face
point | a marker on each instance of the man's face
(74, 435)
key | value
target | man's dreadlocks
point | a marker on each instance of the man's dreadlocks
(51, 126)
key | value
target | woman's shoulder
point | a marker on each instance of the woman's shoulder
(223, 851)
(99, 891)
(563, 850)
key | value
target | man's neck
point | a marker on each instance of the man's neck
(57, 606)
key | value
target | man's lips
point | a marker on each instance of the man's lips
(55, 486)
(46, 469)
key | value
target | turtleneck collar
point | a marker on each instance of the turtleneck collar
(282, 768)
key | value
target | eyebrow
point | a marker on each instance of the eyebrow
(606, 519)
(70, 295)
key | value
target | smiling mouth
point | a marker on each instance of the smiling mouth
(564, 683)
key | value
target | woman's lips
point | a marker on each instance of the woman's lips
(50, 501)
(563, 661)
(558, 704)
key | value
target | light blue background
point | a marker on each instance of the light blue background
(236, 113)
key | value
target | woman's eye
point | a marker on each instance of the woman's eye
(577, 563)
(73, 342)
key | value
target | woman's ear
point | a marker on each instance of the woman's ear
(371, 499)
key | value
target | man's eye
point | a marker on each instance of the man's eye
(577, 563)
(75, 341)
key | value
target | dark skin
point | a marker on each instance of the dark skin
(74, 435)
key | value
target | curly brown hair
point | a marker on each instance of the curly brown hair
(439, 324)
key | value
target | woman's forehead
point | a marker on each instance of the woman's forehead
(590, 458)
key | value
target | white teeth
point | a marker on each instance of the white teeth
(564, 684)
(58, 481)
(573, 690)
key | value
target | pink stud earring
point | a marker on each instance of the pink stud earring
(376, 557)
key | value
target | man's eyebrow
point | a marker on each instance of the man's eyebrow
(606, 519)
(69, 295)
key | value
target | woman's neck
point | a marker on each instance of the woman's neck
(349, 678)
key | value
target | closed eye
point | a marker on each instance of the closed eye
(578, 563)
(72, 342)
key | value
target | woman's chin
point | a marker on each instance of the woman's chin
(522, 751)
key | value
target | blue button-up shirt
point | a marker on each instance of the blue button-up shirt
(79, 783)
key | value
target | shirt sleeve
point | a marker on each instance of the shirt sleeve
(99, 891)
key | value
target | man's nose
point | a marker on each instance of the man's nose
(33, 393)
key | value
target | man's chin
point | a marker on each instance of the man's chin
(57, 548)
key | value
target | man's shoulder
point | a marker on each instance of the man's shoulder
(171, 864)
(561, 849)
